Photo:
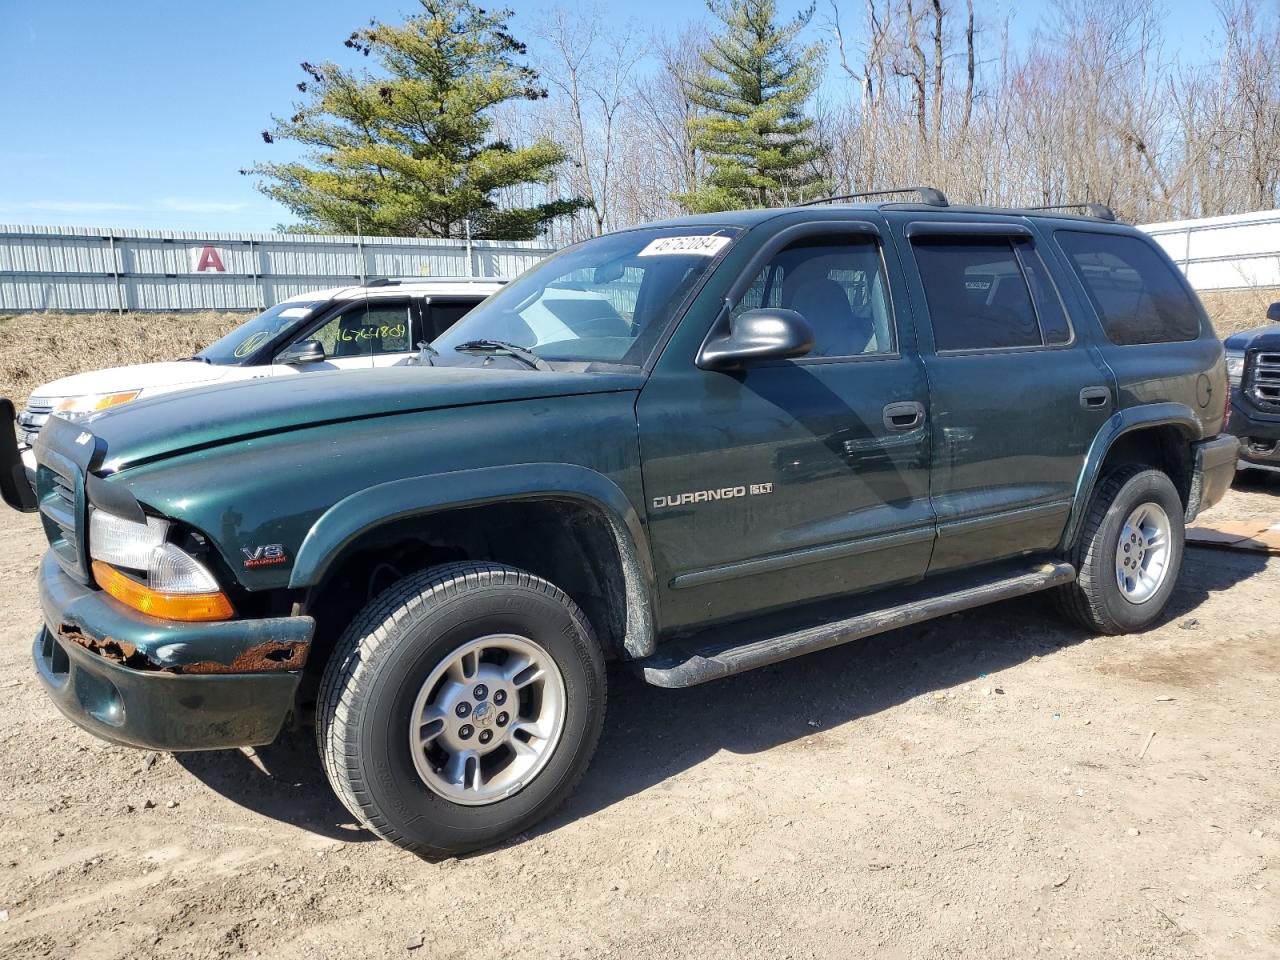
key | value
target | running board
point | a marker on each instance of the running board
(694, 661)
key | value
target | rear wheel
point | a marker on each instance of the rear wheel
(460, 707)
(1128, 554)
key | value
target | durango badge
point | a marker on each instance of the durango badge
(265, 555)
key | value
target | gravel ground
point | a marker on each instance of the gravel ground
(974, 787)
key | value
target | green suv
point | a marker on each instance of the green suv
(698, 446)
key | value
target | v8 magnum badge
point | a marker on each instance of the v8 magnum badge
(265, 555)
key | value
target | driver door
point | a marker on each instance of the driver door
(790, 480)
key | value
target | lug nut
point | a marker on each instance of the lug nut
(462, 709)
(502, 719)
(481, 691)
(486, 736)
(499, 697)
(465, 731)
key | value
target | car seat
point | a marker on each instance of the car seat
(837, 331)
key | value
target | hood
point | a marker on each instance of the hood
(140, 376)
(1268, 336)
(147, 430)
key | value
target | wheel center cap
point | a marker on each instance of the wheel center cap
(483, 715)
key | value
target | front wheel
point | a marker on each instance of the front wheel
(460, 707)
(1129, 553)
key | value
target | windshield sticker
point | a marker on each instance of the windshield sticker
(292, 312)
(684, 246)
(252, 343)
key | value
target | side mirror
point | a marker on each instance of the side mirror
(304, 351)
(1273, 313)
(765, 334)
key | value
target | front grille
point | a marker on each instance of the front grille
(61, 500)
(31, 420)
(1263, 378)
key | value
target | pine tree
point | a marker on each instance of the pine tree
(752, 128)
(409, 150)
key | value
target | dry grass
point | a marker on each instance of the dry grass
(38, 347)
(1234, 310)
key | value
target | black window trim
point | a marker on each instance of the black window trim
(1012, 232)
(795, 234)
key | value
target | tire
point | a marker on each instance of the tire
(489, 619)
(1096, 600)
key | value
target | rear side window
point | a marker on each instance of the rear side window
(440, 315)
(978, 295)
(1137, 294)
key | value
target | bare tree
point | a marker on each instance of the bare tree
(589, 70)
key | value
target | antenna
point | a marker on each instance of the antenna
(930, 195)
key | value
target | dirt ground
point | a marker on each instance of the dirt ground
(974, 787)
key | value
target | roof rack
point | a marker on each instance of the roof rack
(1099, 211)
(930, 195)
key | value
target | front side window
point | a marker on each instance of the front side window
(977, 293)
(838, 285)
(605, 301)
(1136, 293)
(366, 330)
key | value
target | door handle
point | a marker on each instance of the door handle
(1095, 398)
(903, 416)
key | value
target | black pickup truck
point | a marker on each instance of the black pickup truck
(1253, 366)
(699, 446)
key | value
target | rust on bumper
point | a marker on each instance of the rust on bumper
(271, 656)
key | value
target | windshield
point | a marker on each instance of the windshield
(248, 338)
(605, 301)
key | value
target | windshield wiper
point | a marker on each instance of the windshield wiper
(524, 355)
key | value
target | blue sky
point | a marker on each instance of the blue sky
(139, 113)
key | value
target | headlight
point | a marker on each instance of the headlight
(1235, 368)
(77, 408)
(162, 579)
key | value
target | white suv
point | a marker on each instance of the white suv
(378, 324)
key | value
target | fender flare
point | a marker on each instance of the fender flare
(384, 503)
(1168, 413)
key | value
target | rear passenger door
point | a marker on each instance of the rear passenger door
(1016, 397)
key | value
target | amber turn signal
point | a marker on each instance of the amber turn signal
(169, 606)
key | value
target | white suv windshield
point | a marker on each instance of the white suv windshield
(250, 337)
(606, 300)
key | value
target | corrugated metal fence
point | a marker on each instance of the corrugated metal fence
(1224, 253)
(86, 268)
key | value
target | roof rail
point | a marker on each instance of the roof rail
(380, 282)
(930, 195)
(1099, 211)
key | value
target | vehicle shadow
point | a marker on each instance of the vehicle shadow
(284, 781)
(1257, 481)
(652, 734)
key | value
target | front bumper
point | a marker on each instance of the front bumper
(160, 685)
(1259, 434)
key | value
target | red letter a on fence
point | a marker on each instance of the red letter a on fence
(209, 260)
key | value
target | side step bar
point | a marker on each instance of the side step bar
(685, 665)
